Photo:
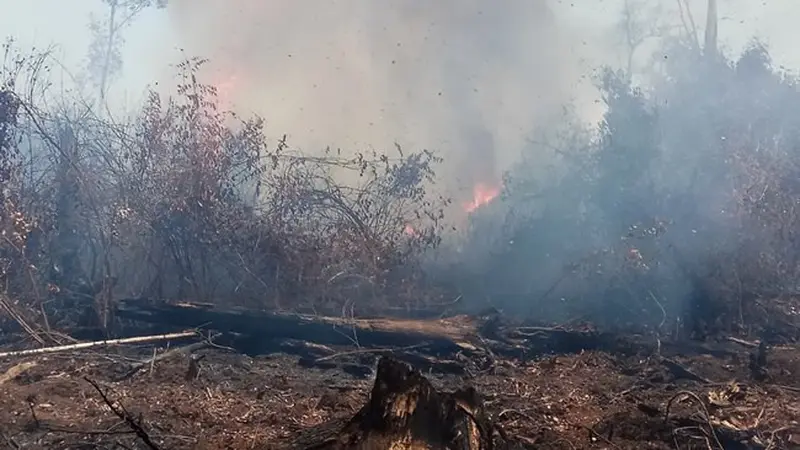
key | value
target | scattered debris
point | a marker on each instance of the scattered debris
(185, 350)
(559, 388)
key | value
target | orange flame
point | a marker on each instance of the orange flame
(482, 194)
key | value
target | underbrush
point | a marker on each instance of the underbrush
(188, 202)
(675, 217)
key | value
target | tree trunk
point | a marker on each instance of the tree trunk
(112, 13)
(710, 44)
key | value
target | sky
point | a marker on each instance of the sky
(64, 25)
(454, 76)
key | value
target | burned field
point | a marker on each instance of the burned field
(507, 385)
(185, 278)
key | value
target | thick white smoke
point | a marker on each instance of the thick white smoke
(467, 78)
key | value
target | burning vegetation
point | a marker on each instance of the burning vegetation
(640, 293)
(482, 194)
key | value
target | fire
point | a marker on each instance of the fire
(482, 194)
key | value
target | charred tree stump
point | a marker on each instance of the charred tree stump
(405, 412)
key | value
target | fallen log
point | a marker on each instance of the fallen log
(488, 334)
(452, 333)
(405, 412)
(104, 343)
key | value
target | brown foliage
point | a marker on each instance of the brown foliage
(191, 202)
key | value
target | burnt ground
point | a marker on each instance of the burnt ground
(574, 401)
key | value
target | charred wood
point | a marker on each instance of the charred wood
(405, 412)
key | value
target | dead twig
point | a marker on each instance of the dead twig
(786, 388)
(707, 415)
(682, 372)
(123, 414)
(517, 412)
(6, 305)
(743, 342)
(366, 351)
(109, 432)
(773, 435)
(187, 349)
(9, 440)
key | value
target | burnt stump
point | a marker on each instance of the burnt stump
(405, 412)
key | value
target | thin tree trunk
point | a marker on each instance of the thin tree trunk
(710, 44)
(109, 48)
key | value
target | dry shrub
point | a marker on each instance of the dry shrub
(20, 299)
(218, 215)
(189, 202)
(677, 216)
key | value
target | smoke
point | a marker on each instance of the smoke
(461, 77)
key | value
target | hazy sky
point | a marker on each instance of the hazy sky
(45, 22)
(470, 78)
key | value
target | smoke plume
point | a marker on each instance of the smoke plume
(466, 78)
